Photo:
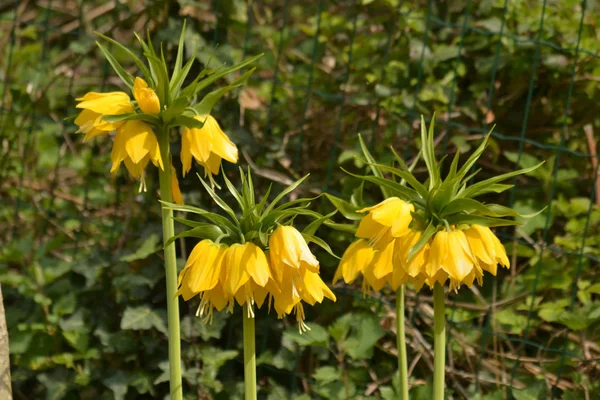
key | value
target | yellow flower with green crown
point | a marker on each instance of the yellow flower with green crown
(428, 232)
(254, 256)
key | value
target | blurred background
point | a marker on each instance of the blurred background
(80, 262)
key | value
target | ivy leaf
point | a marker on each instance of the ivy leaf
(363, 331)
(317, 336)
(118, 383)
(142, 318)
(149, 246)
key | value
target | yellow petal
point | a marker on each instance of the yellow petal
(186, 154)
(216, 297)
(402, 220)
(398, 277)
(185, 292)
(175, 190)
(289, 247)
(112, 103)
(459, 262)
(440, 277)
(500, 251)
(244, 294)
(146, 97)
(260, 293)
(190, 261)
(118, 153)
(206, 269)
(136, 170)
(236, 269)
(478, 246)
(368, 228)
(418, 263)
(256, 264)
(221, 145)
(418, 281)
(201, 142)
(385, 212)
(212, 165)
(383, 261)
(437, 253)
(392, 212)
(356, 257)
(313, 289)
(85, 120)
(288, 297)
(139, 139)
(370, 281)
(491, 268)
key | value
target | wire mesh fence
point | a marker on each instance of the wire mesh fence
(79, 243)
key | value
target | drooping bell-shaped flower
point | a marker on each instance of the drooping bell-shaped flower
(385, 221)
(207, 145)
(94, 105)
(354, 261)
(296, 271)
(135, 145)
(288, 248)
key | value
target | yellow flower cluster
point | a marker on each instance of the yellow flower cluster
(386, 238)
(223, 275)
(135, 142)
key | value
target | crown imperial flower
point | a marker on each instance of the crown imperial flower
(265, 257)
(432, 232)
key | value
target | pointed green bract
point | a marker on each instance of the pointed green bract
(180, 46)
(139, 63)
(205, 106)
(251, 221)
(124, 75)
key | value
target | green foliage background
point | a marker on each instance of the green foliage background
(79, 263)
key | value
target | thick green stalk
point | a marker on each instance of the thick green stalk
(401, 344)
(439, 344)
(170, 270)
(249, 356)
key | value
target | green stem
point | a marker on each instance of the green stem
(249, 356)
(439, 347)
(170, 269)
(401, 344)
